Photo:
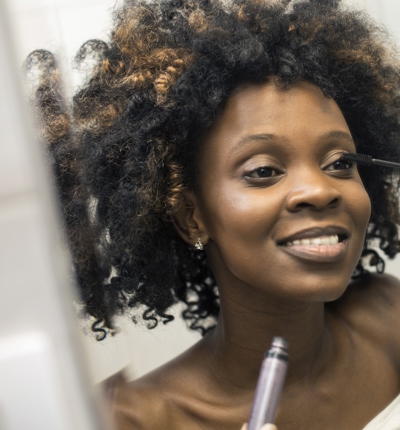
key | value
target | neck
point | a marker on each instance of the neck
(245, 330)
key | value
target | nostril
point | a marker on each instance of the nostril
(334, 202)
(304, 205)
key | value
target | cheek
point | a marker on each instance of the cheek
(361, 207)
(239, 216)
(240, 226)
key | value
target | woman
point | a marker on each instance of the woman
(210, 138)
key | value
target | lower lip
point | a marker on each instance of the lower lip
(318, 253)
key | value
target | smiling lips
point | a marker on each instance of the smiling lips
(324, 248)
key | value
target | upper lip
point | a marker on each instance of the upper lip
(313, 232)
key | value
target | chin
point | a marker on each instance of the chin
(329, 294)
(321, 290)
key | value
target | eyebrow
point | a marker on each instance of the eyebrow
(249, 138)
(336, 134)
(340, 135)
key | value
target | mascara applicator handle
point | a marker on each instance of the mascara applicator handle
(269, 385)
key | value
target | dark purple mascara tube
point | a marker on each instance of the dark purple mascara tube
(270, 384)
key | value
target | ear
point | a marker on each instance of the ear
(189, 221)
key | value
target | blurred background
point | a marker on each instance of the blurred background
(61, 26)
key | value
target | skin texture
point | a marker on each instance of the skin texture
(268, 172)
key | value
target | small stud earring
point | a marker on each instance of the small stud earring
(198, 245)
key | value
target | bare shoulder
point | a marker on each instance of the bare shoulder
(140, 405)
(372, 306)
(378, 291)
(157, 400)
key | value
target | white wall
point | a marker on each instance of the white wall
(386, 11)
(62, 26)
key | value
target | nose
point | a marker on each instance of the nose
(313, 190)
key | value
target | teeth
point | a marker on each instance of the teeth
(333, 240)
(323, 240)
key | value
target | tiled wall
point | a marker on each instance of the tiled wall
(62, 26)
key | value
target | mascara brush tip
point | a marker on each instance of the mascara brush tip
(368, 160)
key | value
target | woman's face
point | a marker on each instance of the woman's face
(279, 212)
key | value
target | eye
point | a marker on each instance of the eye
(339, 164)
(263, 172)
(263, 176)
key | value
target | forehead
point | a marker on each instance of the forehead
(297, 113)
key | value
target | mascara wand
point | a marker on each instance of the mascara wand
(367, 160)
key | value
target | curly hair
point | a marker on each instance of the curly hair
(126, 148)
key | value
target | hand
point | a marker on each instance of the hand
(264, 427)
